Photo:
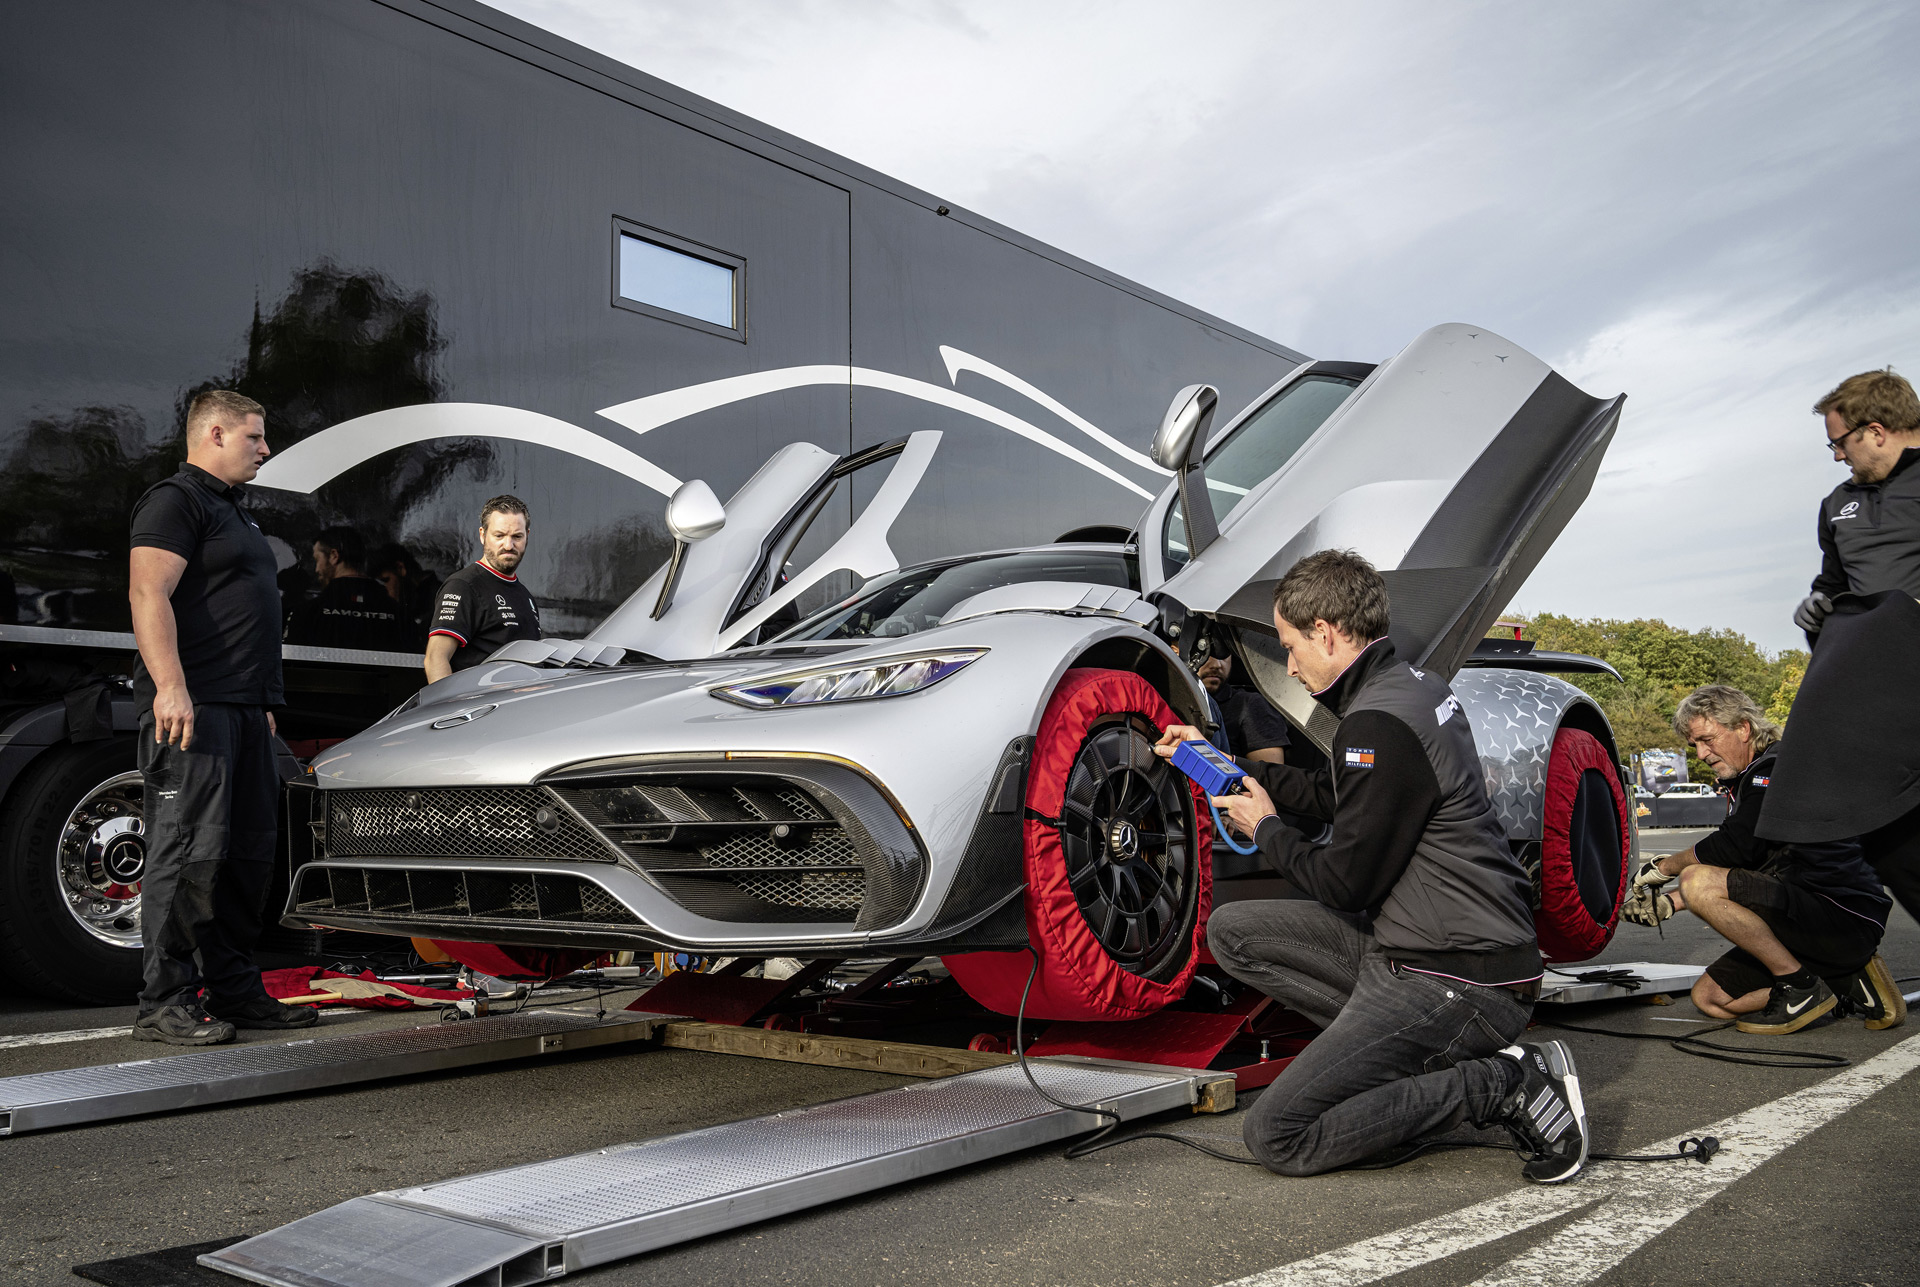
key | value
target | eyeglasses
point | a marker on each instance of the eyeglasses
(1833, 444)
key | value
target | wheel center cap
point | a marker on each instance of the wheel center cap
(1123, 841)
(118, 852)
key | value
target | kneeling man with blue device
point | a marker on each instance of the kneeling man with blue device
(1415, 953)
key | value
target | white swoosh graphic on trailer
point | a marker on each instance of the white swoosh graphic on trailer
(331, 452)
(644, 414)
(958, 361)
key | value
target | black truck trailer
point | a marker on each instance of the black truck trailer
(344, 207)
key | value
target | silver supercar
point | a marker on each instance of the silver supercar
(703, 775)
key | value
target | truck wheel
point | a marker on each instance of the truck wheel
(72, 853)
(1118, 862)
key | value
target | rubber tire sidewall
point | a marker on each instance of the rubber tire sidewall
(44, 949)
(1076, 979)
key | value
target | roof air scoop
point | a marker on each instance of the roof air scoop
(1179, 446)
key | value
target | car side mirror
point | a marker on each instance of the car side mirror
(1179, 446)
(1183, 430)
(694, 513)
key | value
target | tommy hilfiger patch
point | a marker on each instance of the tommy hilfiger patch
(1359, 757)
(1761, 781)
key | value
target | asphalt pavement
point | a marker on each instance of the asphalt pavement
(1819, 1199)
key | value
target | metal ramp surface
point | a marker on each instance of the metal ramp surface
(532, 1223)
(1611, 982)
(222, 1074)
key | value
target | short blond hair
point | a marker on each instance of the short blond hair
(223, 405)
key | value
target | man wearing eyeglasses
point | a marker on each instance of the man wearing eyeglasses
(1854, 767)
(1870, 524)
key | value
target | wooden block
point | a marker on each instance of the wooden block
(1217, 1096)
(896, 1057)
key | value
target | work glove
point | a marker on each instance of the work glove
(1646, 907)
(1812, 612)
(1650, 874)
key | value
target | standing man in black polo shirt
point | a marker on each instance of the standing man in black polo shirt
(484, 605)
(206, 616)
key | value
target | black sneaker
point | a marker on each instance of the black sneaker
(1545, 1112)
(265, 1012)
(1790, 1009)
(1871, 993)
(182, 1025)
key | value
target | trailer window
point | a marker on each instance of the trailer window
(665, 276)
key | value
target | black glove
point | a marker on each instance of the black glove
(1812, 612)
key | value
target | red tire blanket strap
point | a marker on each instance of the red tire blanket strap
(511, 961)
(1567, 927)
(1077, 979)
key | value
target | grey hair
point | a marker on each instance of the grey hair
(1728, 707)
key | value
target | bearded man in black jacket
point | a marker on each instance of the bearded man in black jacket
(1416, 952)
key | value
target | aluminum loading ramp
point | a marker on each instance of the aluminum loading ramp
(222, 1074)
(529, 1224)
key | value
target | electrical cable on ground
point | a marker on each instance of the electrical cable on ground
(1713, 1050)
(1099, 1140)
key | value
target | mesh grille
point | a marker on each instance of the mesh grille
(457, 822)
(827, 847)
(839, 890)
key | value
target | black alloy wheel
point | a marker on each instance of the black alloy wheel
(1126, 829)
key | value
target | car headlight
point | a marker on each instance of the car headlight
(886, 677)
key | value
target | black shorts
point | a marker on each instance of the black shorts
(1828, 939)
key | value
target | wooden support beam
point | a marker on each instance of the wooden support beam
(900, 1058)
(897, 1057)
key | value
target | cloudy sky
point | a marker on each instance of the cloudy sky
(1712, 207)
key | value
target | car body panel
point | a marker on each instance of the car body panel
(1451, 467)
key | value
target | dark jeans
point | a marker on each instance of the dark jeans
(1402, 1056)
(212, 815)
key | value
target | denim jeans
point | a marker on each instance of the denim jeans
(1402, 1056)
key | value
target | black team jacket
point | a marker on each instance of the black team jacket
(1415, 844)
(1870, 534)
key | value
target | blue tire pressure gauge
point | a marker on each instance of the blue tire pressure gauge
(1215, 773)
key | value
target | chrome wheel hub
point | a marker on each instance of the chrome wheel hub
(102, 858)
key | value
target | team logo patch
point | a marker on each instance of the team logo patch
(1444, 711)
(1359, 757)
(1847, 510)
(1761, 781)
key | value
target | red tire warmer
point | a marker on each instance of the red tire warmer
(1568, 928)
(512, 961)
(1076, 978)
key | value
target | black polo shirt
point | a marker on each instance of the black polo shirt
(481, 609)
(227, 605)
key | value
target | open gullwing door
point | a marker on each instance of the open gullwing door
(1452, 467)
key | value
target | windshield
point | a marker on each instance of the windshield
(905, 603)
(1259, 446)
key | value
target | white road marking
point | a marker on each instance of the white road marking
(1640, 1199)
(57, 1038)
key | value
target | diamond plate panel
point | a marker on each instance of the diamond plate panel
(568, 1195)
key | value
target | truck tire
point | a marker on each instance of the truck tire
(72, 850)
(1118, 849)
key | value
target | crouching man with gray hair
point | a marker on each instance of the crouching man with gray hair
(1805, 920)
(1415, 952)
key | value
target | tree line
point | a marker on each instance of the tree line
(1661, 664)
